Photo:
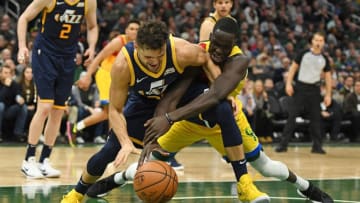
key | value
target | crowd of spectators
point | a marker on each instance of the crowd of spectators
(272, 33)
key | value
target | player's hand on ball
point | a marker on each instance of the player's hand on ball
(155, 127)
(153, 147)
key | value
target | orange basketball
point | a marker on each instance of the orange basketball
(155, 182)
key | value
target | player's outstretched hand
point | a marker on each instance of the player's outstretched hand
(155, 127)
(149, 148)
(124, 153)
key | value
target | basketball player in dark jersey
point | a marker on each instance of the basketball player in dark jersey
(53, 63)
(145, 69)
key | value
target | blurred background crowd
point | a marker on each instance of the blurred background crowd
(272, 33)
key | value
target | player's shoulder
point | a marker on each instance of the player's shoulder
(122, 61)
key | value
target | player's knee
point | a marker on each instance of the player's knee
(97, 163)
(224, 107)
(96, 166)
(270, 168)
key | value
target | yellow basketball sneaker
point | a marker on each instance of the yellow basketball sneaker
(72, 197)
(248, 193)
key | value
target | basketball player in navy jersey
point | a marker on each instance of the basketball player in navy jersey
(53, 63)
(140, 75)
(184, 133)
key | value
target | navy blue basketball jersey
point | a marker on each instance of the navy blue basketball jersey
(146, 83)
(60, 26)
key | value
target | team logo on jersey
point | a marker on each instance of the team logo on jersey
(156, 88)
(169, 71)
(69, 17)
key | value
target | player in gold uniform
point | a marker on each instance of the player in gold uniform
(106, 57)
(184, 133)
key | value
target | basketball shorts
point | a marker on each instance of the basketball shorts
(185, 133)
(103, 81)
(53, 76)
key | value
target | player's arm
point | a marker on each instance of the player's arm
(29, 14)
(193, 55)
(175, 92)
(92, 29)
(120, 79)
(234, 71)
(205, 30)
(328, 83)
(113, 46)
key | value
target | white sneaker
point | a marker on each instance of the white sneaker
(47, 170)
(30, 169)
(99, 140)
(80, 140)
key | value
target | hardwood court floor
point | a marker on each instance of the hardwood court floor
(206, 178)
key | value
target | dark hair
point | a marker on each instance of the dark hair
(133, 21)
(228, 25)
(152, 35)
(4, 66)
(320, 33)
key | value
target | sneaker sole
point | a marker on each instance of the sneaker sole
(52, 176)
(302, 195)
(105, 193)
(264, 199)
(31, 177)
(178, 168)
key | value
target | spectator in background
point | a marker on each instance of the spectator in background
(5, 55)
(8, 33)
(28, 93)
(3, 43)
(347, 87)
(352, 111)
(264, 67)
(331, 117)
(247, 99)
(87, 103)
(251, 14)
(12, 104)
(262, 123)
(79, 66)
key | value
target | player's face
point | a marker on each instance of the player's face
(318, 42)
(223, 7)
(131, 31)
(151, 58)
(221, 44)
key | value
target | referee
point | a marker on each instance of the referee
(306, 94)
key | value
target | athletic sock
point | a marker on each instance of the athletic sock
(45, 153)
(82, 187)
(30, 151)
(239, 168)
(301, 183)
(120, 178)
